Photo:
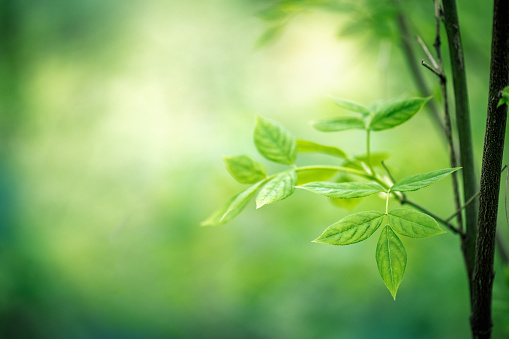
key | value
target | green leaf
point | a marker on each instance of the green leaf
(343, 190)
(274, 142)
(244, 169)
(505, 97)
(305, 146)
(271, 34)
(396, 112)
(279, 188)
(390, 259)
(413, 224)
(352, 228)
(318, 174)
(233, 207)
(418, 181)
(351, 106)
(339, 124)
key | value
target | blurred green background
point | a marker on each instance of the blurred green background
(114, 116)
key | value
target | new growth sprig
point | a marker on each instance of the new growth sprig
(277, 144)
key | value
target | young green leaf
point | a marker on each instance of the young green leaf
(274, 142)
(418, 181)
(233, 207)
(351, 106)
(244, 169)
(391, 259)
(343, 190)
(279, 188)
(413, 224)
(352, 228)
(339, 124)
(396, 112)
(305, 146)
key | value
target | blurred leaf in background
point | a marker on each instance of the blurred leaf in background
(114, 116)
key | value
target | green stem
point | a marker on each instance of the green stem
(368, 151)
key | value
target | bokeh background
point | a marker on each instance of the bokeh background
(114, 116)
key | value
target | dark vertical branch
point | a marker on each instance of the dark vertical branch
(481, 321)
(447, 116)
(464, 132)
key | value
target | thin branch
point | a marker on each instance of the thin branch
(428, 53)
(388, 172)
(458, 211)
(433, 69)
(408, 50)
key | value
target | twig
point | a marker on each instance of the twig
(458, 211)
(426, 50)
(433, 69)
(388, 172)
(408, 50)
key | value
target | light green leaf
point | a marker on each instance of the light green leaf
(352, 228)
(305, 146)
(391, 259)
(279, 188)
(339, 124)
(418, 181)
(274, 142)
(343, 190)
(318, 174)
(244, 169)
(504, 98)
(351, 106)
(413, 224)
(233, 207)
(396, 112)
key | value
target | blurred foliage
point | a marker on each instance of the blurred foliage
(113, 119)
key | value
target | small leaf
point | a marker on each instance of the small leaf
(396, 112)
(413, 224)
(343, 190)
(279, 188)
(244, 169)
(351, 106)
(418, 181)
(339, 124)
(391, 259)
(305, 146)
(274, 142)
(352, 228)
(233, 207)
